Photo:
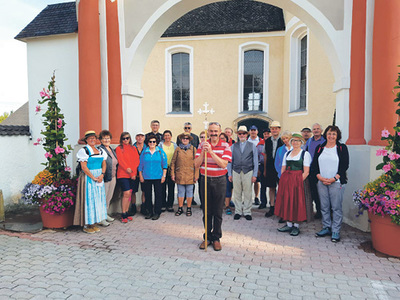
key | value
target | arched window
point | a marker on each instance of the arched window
(253, 77)
(253, 71)
(179, 81)
(298, 70)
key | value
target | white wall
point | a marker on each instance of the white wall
(362, 170)
(59, 53)
(16, 166)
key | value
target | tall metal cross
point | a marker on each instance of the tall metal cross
(206, 112)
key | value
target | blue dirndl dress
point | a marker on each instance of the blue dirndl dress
(95, 196)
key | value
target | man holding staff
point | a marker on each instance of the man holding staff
(218, 156)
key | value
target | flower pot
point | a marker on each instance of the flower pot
(385, 235)
(57, 221)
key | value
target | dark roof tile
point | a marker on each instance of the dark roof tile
(14, 130)
(54, 19)
(235, 16)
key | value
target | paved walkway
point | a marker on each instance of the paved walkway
(147, 259)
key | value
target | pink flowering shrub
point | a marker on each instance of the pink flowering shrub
(382, 196)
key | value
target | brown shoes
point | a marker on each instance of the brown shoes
(203, 245)
(217, 246)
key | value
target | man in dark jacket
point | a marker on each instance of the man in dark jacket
(271, 176)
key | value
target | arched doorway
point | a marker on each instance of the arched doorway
(259, 121)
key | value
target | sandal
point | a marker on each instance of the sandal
(189, 211)
(179, 211)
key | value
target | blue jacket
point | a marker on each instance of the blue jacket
(152, 165)
(280, 153)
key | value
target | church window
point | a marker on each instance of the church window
(253, 77)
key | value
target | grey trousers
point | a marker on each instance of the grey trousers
(242, 192)
(331, 196)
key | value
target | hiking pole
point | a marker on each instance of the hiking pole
(205, 112)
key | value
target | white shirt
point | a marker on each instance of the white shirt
(82, 156)
(306, 161)
(328, 162)
(255, 141)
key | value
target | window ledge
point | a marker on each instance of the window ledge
(179, 114)
(298, 112)
(252, 112)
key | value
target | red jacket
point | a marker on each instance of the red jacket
(128, 157)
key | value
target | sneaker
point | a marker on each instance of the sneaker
(104, 223)
(163, 209)
(248, 217)
(285, 229)
(124, 220)
(96, 229)
(228, 211)
(295, 231)
(256, 201)
(110, 219)
(88, 230)
(129, 218)
(231, 204)
(237, 217)
(335, 237)
(324, 232)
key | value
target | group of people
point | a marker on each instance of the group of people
(296, 168)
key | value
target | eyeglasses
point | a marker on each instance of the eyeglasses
(188, 127)
(202, 137)
(126, 138)
(150, 142)
(242, 133)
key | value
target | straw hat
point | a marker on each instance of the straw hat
(275, 124)
(88, 134)
(242, 128)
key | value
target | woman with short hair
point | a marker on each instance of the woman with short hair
(169, 148)
(330, 163)
(110, 176)
(152, 172)
(90, 206)
(291, 201)
(184, 172)
(128, 159)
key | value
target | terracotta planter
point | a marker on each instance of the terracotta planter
(385, 235)
(57, 221)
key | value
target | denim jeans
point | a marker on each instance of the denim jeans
(331, 196)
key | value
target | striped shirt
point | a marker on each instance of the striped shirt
(223, 150)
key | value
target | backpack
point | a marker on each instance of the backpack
(79, 167)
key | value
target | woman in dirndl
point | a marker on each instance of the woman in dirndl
(291, 201)
(91, 206)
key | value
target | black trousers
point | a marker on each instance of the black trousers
(168, 199)
(216, 189)
(148, 193)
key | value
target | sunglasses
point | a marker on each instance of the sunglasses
(202, 137)
(151, 142)
(242, 133)
(188, 127)
(185, 138)
(126, 138)
(214, 123)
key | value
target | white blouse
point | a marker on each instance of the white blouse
(328, 162)
(306, 161)
(82, 155)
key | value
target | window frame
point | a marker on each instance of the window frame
(259, 46)
(295, 70)
(168, 79)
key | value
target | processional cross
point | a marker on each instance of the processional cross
(205, 112)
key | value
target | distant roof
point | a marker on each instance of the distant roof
(14, 130)
(19, 117)
(54, 19)
(235, 16)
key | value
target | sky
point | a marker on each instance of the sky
(14, 16)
